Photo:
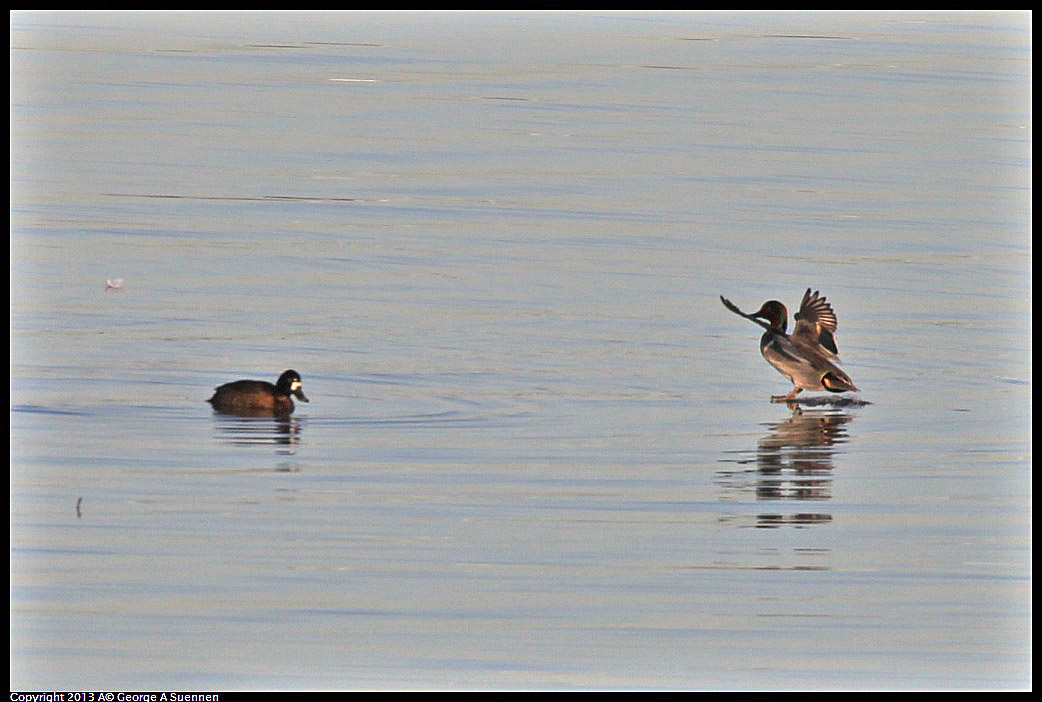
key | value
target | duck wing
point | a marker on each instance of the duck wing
(734, 308)
(816, 323)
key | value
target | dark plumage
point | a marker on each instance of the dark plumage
(258, 397)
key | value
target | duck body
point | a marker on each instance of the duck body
(808, 357)
(805, 366)
(258, 397)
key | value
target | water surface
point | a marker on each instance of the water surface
(538, 452)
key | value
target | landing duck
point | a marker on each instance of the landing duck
(808, 357)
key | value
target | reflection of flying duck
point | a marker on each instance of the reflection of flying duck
(793, 467)
(808, 357)
(794, 460)
(806, 430)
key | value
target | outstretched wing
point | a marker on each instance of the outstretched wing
(731, 306)
(816, 323)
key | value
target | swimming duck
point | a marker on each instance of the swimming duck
(808, 357)
(257, 397)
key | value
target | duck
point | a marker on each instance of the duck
(809, 356)
(258, 397)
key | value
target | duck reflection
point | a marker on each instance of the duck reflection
(263, 428)
(793, 463)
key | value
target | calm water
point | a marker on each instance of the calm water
(538, 452)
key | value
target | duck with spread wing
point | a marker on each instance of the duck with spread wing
(808, 357)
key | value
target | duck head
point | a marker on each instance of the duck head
(289, 383)
(775, 314)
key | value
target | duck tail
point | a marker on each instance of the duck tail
(836, 383)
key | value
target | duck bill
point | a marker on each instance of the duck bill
(299, 394)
